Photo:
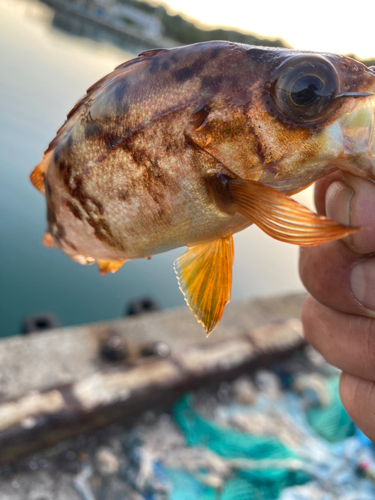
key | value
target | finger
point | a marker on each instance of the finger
(336, 276)
(351, 201)
(339, 278)
(346, 341)
(358, 397)
(321, 187)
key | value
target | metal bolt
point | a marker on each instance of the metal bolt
(159, 348)
(114, 349)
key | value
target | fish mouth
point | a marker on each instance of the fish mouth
(358, 135)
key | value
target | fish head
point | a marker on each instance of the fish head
(309, 113)
(332, 97)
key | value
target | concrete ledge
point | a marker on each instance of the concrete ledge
(61, 383)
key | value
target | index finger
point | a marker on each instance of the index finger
(350, 200)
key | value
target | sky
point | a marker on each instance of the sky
(322, 25)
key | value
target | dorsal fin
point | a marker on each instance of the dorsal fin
(126, 64)
(151, 52)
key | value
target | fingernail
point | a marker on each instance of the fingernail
(338, 199)
(362, 282)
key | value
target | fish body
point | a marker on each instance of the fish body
(184, 147)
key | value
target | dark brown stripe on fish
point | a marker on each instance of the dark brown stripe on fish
(217, 51)
(59, 232)
(98, 204)
(184, 74)
(120, 89)
(211, 81)
(65, 169)
(154, 66)
(94, 210)
(60, 235)
(166, 65)
(62, 158)
(74, 209)
(103, 232)
(153, 174)
(86, 200)
(123, 194)
(93, 130)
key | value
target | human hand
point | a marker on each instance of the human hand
(339, 315)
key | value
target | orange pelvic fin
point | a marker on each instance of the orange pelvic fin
(39, 172)
(48, 240)
(204, 274)
(109, 266)
(282, 217)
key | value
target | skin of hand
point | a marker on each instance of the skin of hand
(339, 315)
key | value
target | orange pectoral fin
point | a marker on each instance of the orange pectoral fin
(282, 217)
(39, 172)
(204, 274)
(109, 266)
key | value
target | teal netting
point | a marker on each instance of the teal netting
(224, 441)
(331, 422)
(186, 487)
(258, 484)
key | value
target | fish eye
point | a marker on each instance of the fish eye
(304, 87)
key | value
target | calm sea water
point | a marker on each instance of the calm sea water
(43, 73)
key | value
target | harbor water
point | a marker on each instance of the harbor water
(44, 71)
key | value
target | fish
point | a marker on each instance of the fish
(184, 147)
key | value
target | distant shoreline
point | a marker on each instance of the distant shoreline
(127, 33)
(172, 24)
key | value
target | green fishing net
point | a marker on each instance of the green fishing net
(331, 422)
(257, 484)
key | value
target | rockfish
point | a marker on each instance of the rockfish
(184, 147)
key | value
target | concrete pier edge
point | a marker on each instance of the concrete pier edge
(61, 383)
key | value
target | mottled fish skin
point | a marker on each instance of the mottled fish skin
(125, 181)
(172, 147)
(128, 170)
